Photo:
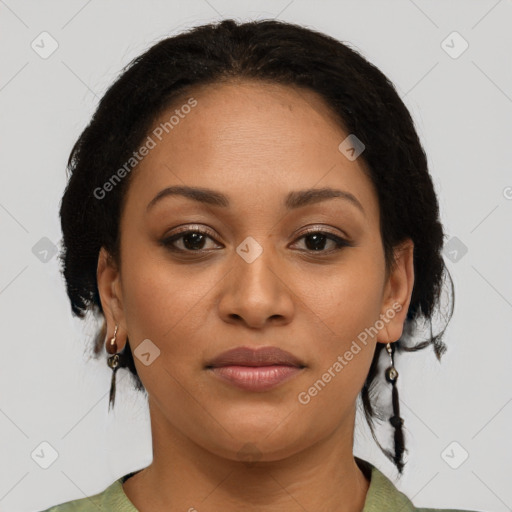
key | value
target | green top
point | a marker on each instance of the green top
(382, 496)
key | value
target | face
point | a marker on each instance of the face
(259, 262)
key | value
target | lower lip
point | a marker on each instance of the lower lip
(256, 378)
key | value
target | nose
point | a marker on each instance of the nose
(256, 291)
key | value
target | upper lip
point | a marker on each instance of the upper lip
(246, 356)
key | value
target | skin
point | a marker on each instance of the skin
(254, 142)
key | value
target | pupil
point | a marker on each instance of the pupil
(197, 238)
(317, 240)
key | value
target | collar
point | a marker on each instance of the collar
(382, 495)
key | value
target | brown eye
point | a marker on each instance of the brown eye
(316, 241)
(191, 241)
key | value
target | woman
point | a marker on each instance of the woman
(250, 210)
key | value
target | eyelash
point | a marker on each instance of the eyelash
(340, 242)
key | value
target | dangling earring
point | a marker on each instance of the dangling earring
(395, 420)
(114, 361)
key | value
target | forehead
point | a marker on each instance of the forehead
(253, 140)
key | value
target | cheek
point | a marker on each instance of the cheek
(342, 307)
(344, 301)
(344, 345)
(149, 298)
(162, 301)
(157, 307)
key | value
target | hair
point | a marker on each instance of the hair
(359, 95)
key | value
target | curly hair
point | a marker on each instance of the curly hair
(360, 97)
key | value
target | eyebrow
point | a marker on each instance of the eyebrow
(295, 199)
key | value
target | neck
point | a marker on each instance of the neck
(185, 476)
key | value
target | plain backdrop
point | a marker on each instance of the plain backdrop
(450, 61)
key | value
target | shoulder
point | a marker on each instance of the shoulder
(112, 498)
(383, 496)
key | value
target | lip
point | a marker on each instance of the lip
(246, 356)
(255, 378)
(255, 369)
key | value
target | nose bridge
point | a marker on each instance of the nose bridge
(253, 265)
(256, 291)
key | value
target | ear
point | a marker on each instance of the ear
(397, 293)
(109, 287)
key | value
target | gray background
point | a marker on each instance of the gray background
(50, 390)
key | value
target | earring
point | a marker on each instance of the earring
(395, 420)
(115, 361)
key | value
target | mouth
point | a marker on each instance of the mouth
(255, 369)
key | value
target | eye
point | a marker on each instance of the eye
(316, 240)
(192, 240)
